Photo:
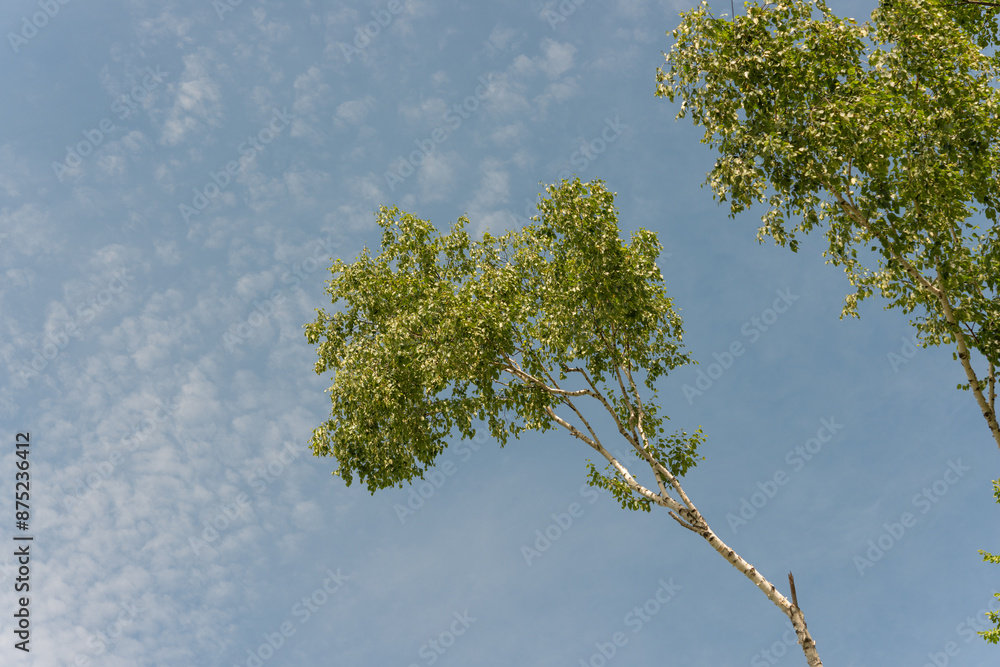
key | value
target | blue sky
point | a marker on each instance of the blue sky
(174, 178)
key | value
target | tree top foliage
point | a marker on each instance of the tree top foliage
(500, 323)
(886, 133)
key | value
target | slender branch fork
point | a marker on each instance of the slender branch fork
(680, 508)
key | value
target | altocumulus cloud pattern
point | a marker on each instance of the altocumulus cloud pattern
(175, 179)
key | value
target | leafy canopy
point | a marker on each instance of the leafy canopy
(885, 132)
(495, 321)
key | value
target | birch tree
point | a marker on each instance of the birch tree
(526, 331)
(884, 134)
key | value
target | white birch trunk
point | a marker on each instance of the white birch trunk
(790, 609)
(683, 511)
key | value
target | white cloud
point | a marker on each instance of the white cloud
(165, 27)
(311, 92)
(27, 231)
(116, 154)
(274, 32)
(313, 97)
(556, 92)
(366, 188)
(305, 185)
(523, 159)
(558, 57)
(20, 278)
(307, 515)
(355, 111)
(494, 187)
(507, 94)
(167, 252)
(502, 38)
(523, 65)
(426, 113)
(437, 175)
(493, 192)
(507, 135)
(158, 332)
(197, 99)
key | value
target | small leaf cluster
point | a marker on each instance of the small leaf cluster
(677, 452)
(993, 635)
